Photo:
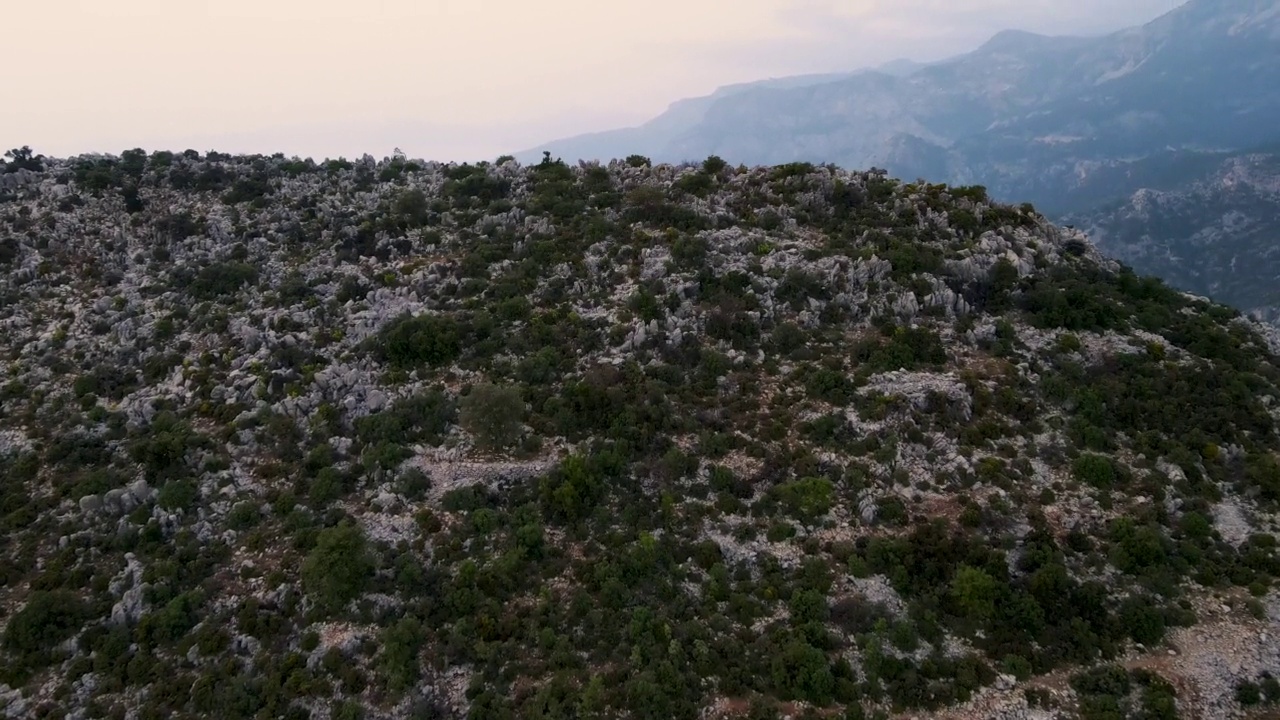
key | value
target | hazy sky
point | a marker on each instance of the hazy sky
(445, 79)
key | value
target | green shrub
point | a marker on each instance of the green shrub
(902, 349)
(975, 592)
(801, 672)
(571, 490)
(1248, 693)
(171, 622)
(1263, 472)
(831, 386)
(805, 499)
(243, 516)
(178, 494)
(422, 418)
(1143, 620)
(414, 484)
(1096, 471)
(1104, 680)
(327, 487)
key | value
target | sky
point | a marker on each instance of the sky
(445, 79)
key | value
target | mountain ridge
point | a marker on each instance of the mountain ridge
(1098, 61)
(1067, 123)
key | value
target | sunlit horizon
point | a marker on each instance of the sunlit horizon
(447, 80)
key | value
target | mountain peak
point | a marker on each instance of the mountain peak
(1234, 17)
(1023, 42)
(1013, 40)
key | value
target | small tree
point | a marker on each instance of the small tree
(493, 414)
(975, 592)
(399, 660)
(23, 158)
(335, 572)
(801, 672)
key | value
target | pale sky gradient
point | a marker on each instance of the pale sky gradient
(445, 79)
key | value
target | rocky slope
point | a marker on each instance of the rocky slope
(400, 439)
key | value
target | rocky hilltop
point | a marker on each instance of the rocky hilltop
(387, 439)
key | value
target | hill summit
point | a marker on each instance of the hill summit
(391, 438)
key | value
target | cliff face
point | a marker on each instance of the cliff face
(400, 439)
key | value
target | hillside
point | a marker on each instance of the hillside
(400, 439)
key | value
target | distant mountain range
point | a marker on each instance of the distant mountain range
(1213, 226)
(1075, 125)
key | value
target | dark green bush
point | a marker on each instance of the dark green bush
(178, 494)
(399, 659)
(422, 340)
(1096, 470)
(338, 568)
(222, 279)
(493, 415)
(46, 619)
